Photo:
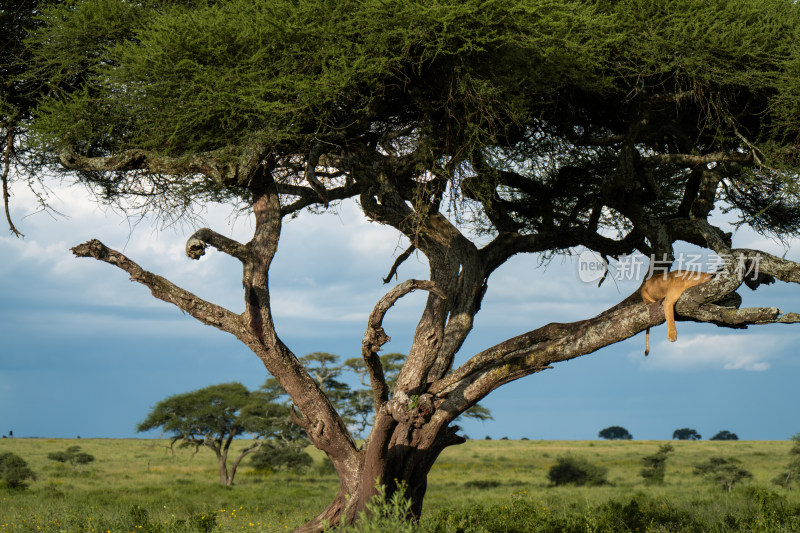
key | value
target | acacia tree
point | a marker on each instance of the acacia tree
(615, 433)
(686, 434)
(541, 126)
(214, 416)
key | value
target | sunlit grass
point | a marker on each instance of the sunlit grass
(178, 489)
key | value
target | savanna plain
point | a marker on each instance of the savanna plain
(499, 485)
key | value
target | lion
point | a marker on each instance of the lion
(669, 286)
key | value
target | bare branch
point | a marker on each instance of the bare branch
(375, 336)
(6, 164)
(163, 289)
(196, 245)
(399, 261)
(692, 160)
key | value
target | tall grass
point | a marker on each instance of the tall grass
(142, 485)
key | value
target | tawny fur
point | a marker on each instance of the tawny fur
(669, 286)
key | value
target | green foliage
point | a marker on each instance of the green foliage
(576, 471)
(615, 433)
(725, 472)
(72, 455)
(655, 466)
(686, 434)
(523, 515)
(139, 519)
(215, 415)
(278, 71)
(14, 471)
(174, 490)
(509, 79)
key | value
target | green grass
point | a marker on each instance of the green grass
(142, 485)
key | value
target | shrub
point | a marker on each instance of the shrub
(576, 471)
(14, 471)
(723, 471)
(655, 466)
(792, 472)
(72, 455)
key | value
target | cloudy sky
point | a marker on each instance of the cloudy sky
(86, 352)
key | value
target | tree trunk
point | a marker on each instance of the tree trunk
(398, 456)
(224, 478)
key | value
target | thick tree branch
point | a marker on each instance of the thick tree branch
(538, 349)
(741, 266)
(196, 245)
(692, 160)
(165, 290)
(375, 336)
(323, 425)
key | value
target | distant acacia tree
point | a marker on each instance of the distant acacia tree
(725, 435)
(477, 130)
(615, 433)
(214, 416)
(686, 434)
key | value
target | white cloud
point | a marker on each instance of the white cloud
(735, 351)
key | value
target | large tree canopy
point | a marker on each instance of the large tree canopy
(539, 126)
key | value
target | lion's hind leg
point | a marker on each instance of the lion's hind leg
(669, 314)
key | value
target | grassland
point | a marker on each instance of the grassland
(142, 485)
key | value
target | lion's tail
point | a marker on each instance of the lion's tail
(647, 342)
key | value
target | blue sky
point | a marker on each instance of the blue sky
(86, 352)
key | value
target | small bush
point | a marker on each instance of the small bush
(725, 472)
(576, 471)
(72, 455)
(14, 471)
